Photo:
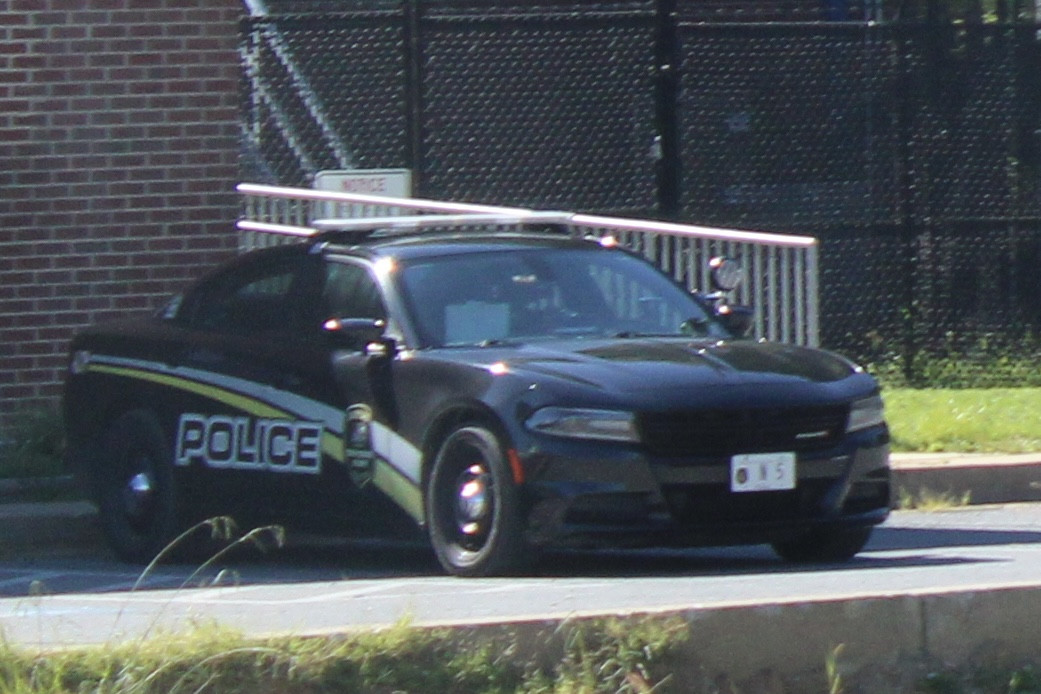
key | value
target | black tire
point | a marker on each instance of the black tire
(824, 545)
(473, 506)
(137, 497)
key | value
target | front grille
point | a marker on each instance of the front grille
(715, 503)
(728, 432)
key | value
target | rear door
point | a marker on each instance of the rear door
(256, 423)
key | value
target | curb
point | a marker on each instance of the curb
(48, 525)
(879, 643)
(985, 479)
(31, 524)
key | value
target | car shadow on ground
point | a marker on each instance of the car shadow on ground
(311, 560)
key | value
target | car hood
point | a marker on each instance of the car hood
(658, 368)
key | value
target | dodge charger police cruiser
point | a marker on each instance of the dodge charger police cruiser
(499, 390)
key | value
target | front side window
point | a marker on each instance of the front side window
(351, 292)
(540, 293)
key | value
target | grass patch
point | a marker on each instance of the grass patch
(638, 655)
(983, 420)
(595, 656)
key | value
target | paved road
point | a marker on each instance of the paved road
(326, 587)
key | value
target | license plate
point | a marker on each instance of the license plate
(762, 472)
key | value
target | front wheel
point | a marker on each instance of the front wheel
(137, 500)
(473, 506)
(824, 545)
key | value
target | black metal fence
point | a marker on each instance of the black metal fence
(912, 150)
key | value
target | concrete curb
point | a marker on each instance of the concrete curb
(985, 479)
(49, 524)
(880, 643)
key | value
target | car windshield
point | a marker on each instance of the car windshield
(518, 295)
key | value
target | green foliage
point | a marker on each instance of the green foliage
(968, 11)
(34, 447)
(988, 680)
(600, 656)
(1025, 681)
(987, 362)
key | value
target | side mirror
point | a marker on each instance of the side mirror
(364, 334)
(738, 320)
(726, 274)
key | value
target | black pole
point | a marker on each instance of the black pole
(909, 225)
(413, 46)
(667, 88)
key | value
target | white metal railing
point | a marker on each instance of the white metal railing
(781, 271)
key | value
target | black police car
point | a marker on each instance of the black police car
(502, 390)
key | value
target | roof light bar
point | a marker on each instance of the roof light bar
(412, 222)
(363, 226)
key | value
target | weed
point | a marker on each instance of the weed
(833, 671)
(221, 531)
(1026, 680)
(1023, 680)
(613, 655)
(929, 500)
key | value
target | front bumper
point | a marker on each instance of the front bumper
(582, 494)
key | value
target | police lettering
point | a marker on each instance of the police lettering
(243, 443)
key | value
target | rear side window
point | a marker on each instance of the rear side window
(258, 298)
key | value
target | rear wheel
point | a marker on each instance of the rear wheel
(137, 499)
(824, 545)
(473, 506)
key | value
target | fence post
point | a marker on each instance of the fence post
(668, 56)
(909, 232)
(413, 41)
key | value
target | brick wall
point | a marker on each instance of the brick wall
(118, 156)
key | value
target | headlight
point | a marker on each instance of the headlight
(866, 413)
(575, 423)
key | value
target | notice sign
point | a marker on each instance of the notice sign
(392, 183)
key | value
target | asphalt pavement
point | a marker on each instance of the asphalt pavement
(977, 478)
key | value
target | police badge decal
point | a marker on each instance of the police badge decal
(357, 437)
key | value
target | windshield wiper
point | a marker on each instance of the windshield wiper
(696, 327)
(626, 334)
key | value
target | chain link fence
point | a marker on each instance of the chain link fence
(912, 149)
